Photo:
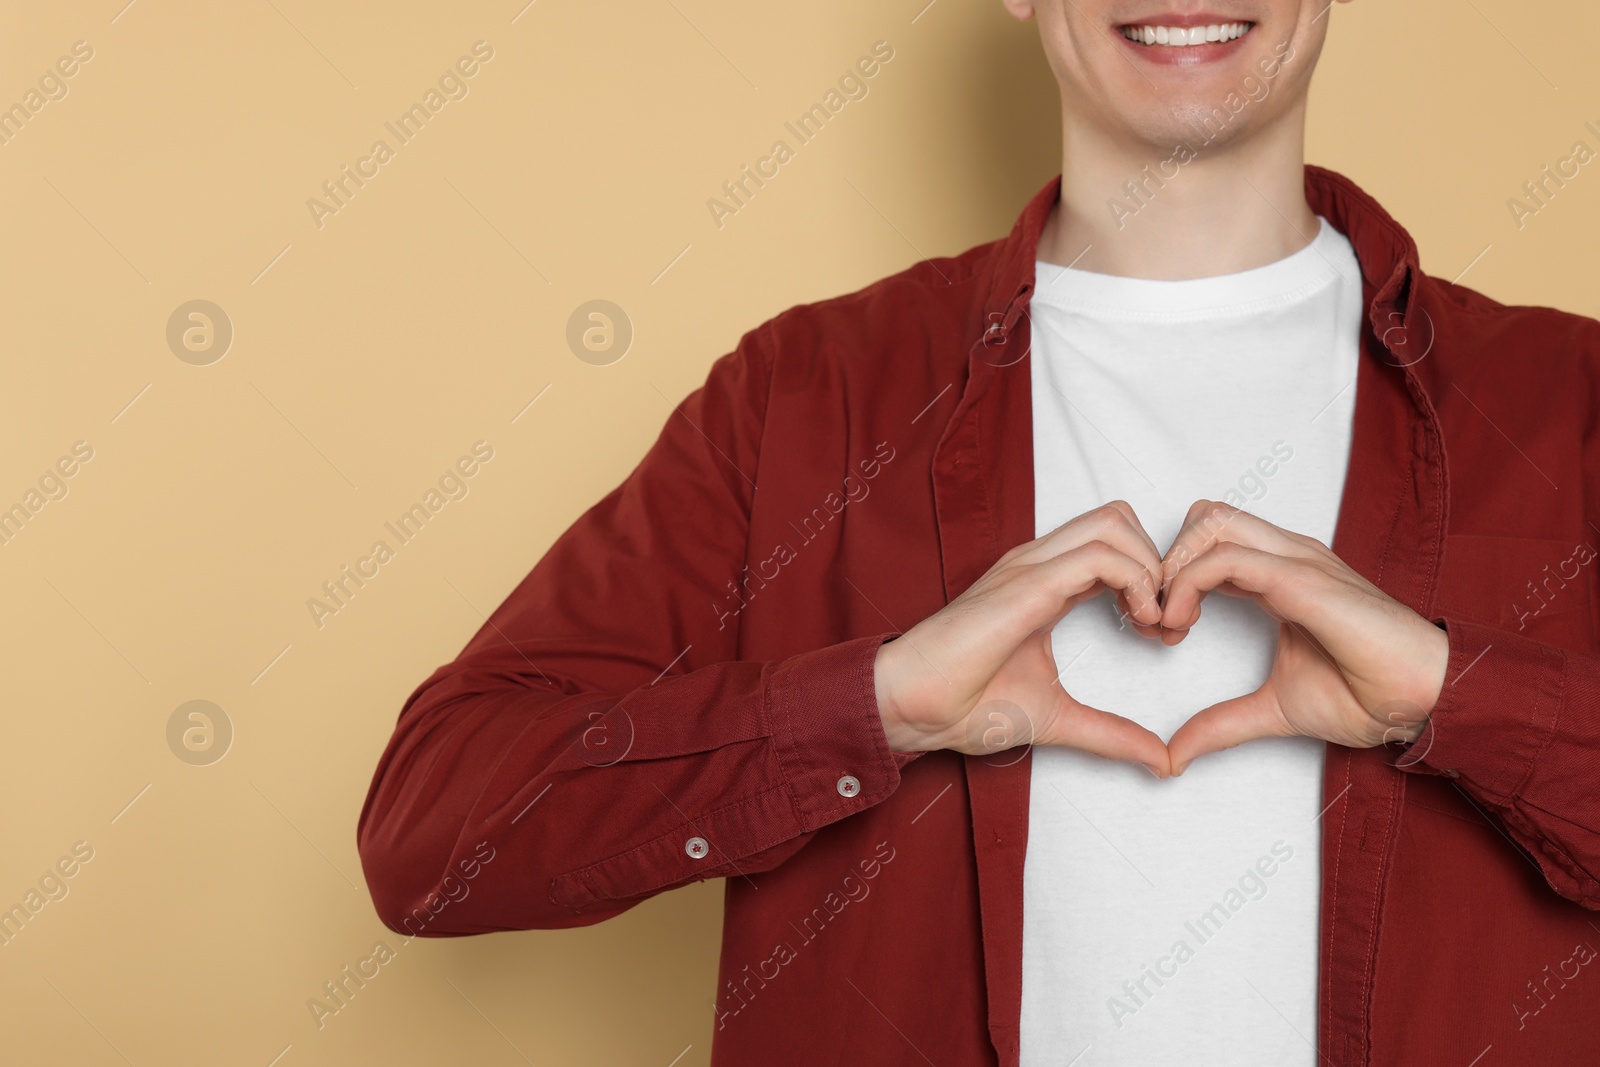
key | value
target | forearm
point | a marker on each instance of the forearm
(593, 801)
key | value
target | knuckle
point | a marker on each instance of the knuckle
(1102, 520)
(1314, 542)
(1229, 553)
(1095, 549)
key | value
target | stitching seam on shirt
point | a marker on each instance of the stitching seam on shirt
(980, 454)
(1368, 978)
(786, 744)
(1555, 725)
(587, 874)
(1333, 903)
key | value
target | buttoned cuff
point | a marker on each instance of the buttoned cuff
(1496, 712)
(828, 733)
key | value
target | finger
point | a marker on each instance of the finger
(1102, 733)
(1114, 523)
(1132, 518)
(1083, 572)
(988, 621)
(1110, 515)
(1212, 522)
(1144, 629)
(1235, 570)
(1224, 725)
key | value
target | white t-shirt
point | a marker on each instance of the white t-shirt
(1177, 921)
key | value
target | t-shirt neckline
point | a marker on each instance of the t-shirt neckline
(1307, 269)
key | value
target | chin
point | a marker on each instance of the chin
(1211, 110)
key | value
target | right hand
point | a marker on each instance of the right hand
(957, 678)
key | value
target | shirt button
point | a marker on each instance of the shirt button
(697, 848)
(849, 786)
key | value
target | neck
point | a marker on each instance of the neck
(1231, 207)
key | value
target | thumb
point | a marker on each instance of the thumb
(1074, 724)
(1226, 724)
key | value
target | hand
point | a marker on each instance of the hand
(1353, 665)
(964, 676)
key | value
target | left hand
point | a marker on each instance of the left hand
(1353, 666)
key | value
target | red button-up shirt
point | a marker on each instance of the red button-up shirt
(682, 688)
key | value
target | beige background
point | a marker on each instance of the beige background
(425, 315)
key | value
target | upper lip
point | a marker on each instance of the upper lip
(1184, 21)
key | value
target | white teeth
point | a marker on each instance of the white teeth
(1183, 36)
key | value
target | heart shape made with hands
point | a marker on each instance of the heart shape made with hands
(1352, 666)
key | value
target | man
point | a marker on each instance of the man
(885, 623)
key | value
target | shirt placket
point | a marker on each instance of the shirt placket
(1390, 529)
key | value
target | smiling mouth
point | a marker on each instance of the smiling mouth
(1186, 36)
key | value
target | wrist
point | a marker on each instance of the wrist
(1439, 668)
(1403, 719)
(901, 738)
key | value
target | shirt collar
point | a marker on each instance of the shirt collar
(1387, 254)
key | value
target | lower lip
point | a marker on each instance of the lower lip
(1185, 55)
